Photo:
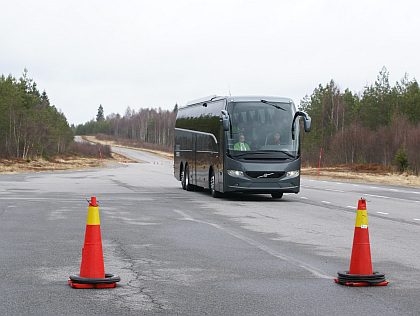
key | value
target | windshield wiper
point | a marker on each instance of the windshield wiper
(241, 153)
(272, 104)
(287, 153)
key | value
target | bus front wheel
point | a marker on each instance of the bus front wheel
(277, 195)
(186, 178)
(214, 193)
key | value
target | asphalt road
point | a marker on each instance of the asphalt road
(185, 253)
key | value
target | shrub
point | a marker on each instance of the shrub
(361, 160)
(401, 158)
(90, 150)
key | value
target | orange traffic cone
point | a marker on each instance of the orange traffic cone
(92, 273)
(360, 272)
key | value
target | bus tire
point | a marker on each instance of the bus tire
(277, 195)
(188, 186)
(214, 193)
(183, 179)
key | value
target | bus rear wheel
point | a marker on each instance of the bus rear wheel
(277, 195)
(183, 185)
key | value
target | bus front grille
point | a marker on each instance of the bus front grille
(265, 174)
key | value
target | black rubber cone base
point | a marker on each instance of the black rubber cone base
(79, 282)
(376, 279)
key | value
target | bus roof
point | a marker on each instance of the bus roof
(240, 99)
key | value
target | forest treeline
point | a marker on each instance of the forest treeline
(148, 127)
(380, 125)
(29, 125)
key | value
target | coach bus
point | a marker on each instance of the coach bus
(247, 144)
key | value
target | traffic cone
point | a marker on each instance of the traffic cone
(360, 272)
(92, 272)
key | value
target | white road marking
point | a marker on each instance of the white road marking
(335, 190)
(387, 197)
(378, 196)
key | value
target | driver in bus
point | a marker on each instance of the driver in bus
(275, 140)
(241, 145)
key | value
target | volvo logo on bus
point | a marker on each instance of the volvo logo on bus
(266, 175)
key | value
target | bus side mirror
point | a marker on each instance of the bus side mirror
(306, 122)
(225, 120)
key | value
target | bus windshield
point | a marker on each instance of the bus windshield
(262, 130)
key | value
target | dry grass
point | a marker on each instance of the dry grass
(59, 163)
(347, 174)
(63, 163)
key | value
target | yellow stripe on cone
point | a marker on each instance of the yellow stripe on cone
(93, 216)
(361, 218)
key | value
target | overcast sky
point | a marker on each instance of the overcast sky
(151, 54)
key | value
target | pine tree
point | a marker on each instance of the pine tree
(100, 116)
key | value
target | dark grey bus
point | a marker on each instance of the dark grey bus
(247, 144)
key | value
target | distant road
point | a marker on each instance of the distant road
(137, 155)
(186, 253)
(140, 156)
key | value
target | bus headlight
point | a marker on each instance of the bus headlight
(293, 173)
(236, 173)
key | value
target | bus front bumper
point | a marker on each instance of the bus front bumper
(264, 187)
